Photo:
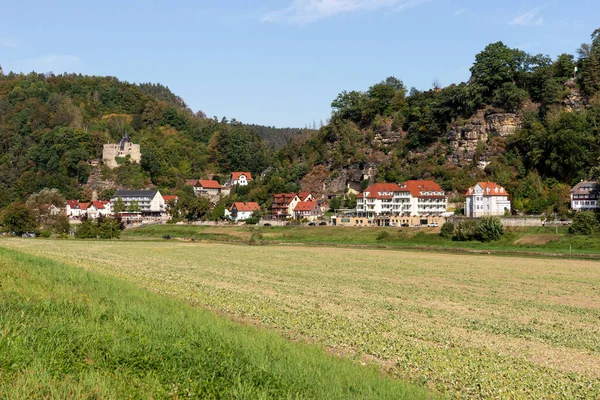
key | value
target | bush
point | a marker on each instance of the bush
(18, 219)
(46, 234)
(166, 237)
(465, 230)
(584, 223)
(489, 229)
(102, 228)
(383, 235)
(252, 221)
(255, 234)
(447, 230)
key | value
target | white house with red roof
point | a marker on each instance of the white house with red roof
(72, 209)
(207, 188)
(412, 198)
(241, 210)
(486, 198)
(306, 196)
(239, 178)
(309, 210)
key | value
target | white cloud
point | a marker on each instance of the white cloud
(459, 12)
(56, 63)
(306, 11)
(529, 18)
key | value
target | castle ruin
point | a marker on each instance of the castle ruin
(121, 150)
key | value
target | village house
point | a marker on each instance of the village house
(485, 199)
(72, 209)
(309, 210)
(239, 179)
(206, 188)
(151, 202)
(414, 202)
(98, 208)
(306, 196)
(283, 204)
(324, 205)
(584, 196)
(240, 211)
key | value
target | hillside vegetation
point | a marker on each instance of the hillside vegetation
(526, 121)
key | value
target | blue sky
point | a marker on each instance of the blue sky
(280, 62)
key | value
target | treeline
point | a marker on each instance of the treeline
(278, 137)
(52, 126)
(557, 146)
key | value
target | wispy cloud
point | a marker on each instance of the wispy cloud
(459, 12)
(57, 63)
(529, 18)
(306, 11)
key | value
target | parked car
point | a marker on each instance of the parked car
(433, 225)
(322, 223)
(405, 225)
(267, 224)
(311, 224)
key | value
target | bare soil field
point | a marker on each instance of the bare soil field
(463, 325)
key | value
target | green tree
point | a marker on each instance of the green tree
(585, 223)
(18, 219)
(489, 229)
(134, 206)
(447, 230)
(119, 205)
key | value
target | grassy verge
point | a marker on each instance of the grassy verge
(70, 333)
(517, 240)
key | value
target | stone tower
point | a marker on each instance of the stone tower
(124, 148)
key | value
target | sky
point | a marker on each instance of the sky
(280, 63)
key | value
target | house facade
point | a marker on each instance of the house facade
(309, 210)
(283, 204)
(584, 196)
(414, 198)
(485, 199)
(240, 211)
(151, 202)
(72, 209)
(239, 178)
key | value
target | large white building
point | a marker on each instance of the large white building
(584, 196)
(150, 202)
(486, 198)
(413, 198)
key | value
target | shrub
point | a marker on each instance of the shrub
(584, 223)
(489, 229)
(382, 235)
(255, 234)
(447, 230)
(46, 234)
(18, 219)
(252, 221)
(465, 230)
(166, 237)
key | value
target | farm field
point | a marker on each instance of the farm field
(67, 333)
(533, 240)
(463, 325)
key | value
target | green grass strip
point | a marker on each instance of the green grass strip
(70, 333)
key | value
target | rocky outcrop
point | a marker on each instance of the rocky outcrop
(574, 100)
(470, 139)
(384, 134)
(502, 124)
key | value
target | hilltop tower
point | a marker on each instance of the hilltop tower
(123, 149)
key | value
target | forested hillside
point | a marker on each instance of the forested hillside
(52, 126)
(529, 122)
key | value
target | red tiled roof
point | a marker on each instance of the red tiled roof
(489, 189)
(304, 195)
(243, 206)
(99, 204)
(191, 182)
(209, 184)
(305, 205)
(375, 190)
(236, 175)
(169, 198)
(285, 195)
(84, 206)
(73, 204)
(415, 187)
(585, 187)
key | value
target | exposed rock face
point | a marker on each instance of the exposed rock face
(385, 135)
(503, 124)
(467, 139)
(574, 100)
